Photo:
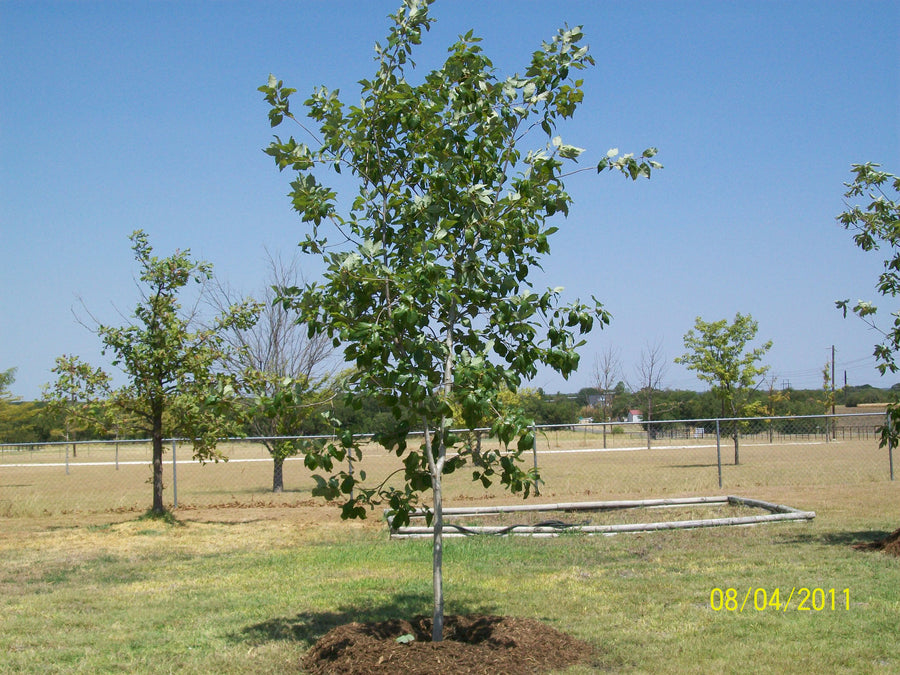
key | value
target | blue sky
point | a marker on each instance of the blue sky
(123, 115)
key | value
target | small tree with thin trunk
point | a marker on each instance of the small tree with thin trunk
(607, 370)
(15, 416)
(280, 366)
(79, 395)
(650, 371)
(426, 286)
(719, 353)
(175, 386)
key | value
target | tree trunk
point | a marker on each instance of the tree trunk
(736, 436)
(436, 466)
(278, 475)
(737, 456)
(157, 436)
(437, 628)
(158, 507)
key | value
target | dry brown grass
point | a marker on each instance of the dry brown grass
(35, 484)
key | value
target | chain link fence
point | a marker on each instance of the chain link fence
(596, 461)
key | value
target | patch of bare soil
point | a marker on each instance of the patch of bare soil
(890, 544)
(480, 644)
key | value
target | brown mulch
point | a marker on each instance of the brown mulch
(890, 544)
(494, 645)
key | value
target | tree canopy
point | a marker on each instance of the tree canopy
(279, 368)
(876, 224)
(427, 285)
(720, 355)
(14, 415)
(175, 386)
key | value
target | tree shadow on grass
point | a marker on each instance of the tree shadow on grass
(209, 521)
(308, 626)
(837, 538)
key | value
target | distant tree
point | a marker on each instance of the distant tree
(15, 416)
(7, 377)
(621, 400)
(828, 397)
(650, 371)
(78, 395)
(719, 353)
(554, 409)
(175, 386)
(866, 393)
(775, 400)
(607, 371)
(279, 366)
(877, 226)
(426, 286)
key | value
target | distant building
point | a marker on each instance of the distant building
(635, 416)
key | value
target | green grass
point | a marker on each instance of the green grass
(243, 581)
(249, 592)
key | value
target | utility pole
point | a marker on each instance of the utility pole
(833, 423)
(832, 379)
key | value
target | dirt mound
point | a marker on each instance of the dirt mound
(890, 544)
(472, 644)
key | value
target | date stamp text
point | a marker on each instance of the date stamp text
(797, 599)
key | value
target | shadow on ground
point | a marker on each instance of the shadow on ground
(307, 627)
(838, 538)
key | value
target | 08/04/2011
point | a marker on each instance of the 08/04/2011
(760, 599)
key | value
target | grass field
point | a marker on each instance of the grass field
(245, 581)
(45, 482)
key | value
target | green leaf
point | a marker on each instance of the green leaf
(570, 151)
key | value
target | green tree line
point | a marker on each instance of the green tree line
(36, 422)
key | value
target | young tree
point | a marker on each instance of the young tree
(607, 371)
(280, 366)
(78, 395)
(174, 383)
(15, 416)
(427, 286)
(650, 372)
(775, 400)
(877, 226)
(718, 352)
(7, 377)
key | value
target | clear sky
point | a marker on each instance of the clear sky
(144, 114)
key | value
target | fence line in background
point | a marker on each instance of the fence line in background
(611, 457)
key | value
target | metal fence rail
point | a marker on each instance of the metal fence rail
(607, 460)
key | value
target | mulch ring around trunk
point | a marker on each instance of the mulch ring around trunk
(890, 544)
(472, 644)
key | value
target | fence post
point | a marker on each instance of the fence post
(174, 478)
(719, 452)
